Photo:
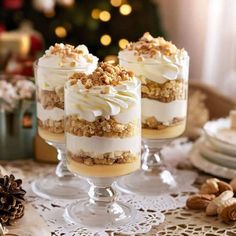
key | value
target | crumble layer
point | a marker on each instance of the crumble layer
(53, 126)
(102, 170)
(167, 92)
(109, 158)
(169, 132)
(100, 127)
(153, 123)
(51, 99)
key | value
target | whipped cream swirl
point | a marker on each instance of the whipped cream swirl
(60, 62)
(101, 101)
(160, 68)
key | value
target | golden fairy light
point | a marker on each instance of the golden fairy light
(104, 16)
(105, 39)
(125, 9)
(122, 43)
(60, 32)
(111, 59)
(116, 3)
(95, 13)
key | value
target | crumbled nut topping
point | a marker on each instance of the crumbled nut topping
(68, 51)
(150, 47)
(105, 74)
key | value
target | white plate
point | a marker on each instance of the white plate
(210, 154)
(211, 168)
(221, 145)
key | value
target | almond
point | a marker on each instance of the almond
(233, 184)
(228, 214)
(225, 204)
(223, 186)
(210, 186)
(199, 201)
(212, 207)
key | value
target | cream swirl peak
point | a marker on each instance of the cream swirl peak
(155, 58)
(111, 91)
(60, 62)
(66, 56)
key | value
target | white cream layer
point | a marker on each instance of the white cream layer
(160, 69)
(101, 145)
(121, 102)
(163, 112)
(53, 114)
(54, 69)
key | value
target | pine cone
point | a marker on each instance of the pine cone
(11, 199)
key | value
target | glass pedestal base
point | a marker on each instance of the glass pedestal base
(101, 208)
(51, 187)
(149, 184)
(154, 178)
(89, 214)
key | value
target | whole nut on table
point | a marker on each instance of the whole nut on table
(212, 207)
(210, 186)
(199, 201)
(215, 186)
(233, 184)
(228, 214)
(225, 204)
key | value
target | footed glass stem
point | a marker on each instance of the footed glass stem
(63, 184)
(101, 208)
(154, 177)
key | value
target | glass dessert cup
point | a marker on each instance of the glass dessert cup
(164, 111)
(50, 113)
(99, 152)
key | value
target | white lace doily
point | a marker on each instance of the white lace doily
(149, 214)
(149, 209)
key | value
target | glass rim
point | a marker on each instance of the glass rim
(36, 65)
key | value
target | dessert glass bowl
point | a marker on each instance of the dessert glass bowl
(161, 101)
(50, 113)
(101, 155)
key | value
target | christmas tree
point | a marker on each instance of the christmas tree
(104, 26)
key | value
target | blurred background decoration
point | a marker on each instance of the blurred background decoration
(104, 26)
(205, 28)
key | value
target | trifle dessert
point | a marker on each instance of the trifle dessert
(163, 71)
(52, 70)
(102, 123)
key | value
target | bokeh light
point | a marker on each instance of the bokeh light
(105, 39)
(95, 13)
(104, 16)
(60, 32)
(125, 9)
(116, 3)
(123, 43)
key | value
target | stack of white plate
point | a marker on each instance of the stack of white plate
(215, 152)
